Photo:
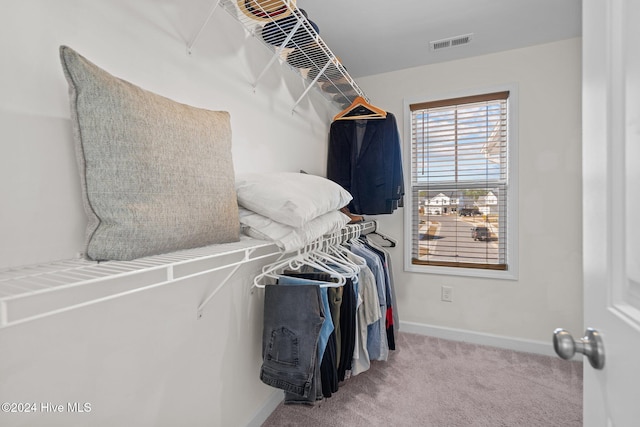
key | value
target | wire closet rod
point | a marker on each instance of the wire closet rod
(349, 232)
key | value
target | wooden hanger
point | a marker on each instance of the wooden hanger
(360, 109)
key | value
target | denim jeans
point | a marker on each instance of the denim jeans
(323, 338)
(293, 316)
(327, 325)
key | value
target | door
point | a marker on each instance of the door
(611, 193)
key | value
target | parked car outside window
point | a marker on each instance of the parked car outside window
(480, 233)
(470, 212)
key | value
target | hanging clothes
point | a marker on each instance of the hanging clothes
(365, 159)
(391, 320)
(327, 348)
(347, 329)
(289, 338)
(367, 314)
(377, 343)
(326, 316)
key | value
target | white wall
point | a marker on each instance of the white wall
(143, 359)
(548, 293)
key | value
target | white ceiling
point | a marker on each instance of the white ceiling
(377, 36)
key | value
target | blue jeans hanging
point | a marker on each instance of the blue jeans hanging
(293, 317)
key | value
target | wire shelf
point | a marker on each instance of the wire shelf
(36, 291)
(295, 42)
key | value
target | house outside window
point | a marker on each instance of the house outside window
(460, 216)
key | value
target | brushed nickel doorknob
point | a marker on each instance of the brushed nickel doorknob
(590, 345)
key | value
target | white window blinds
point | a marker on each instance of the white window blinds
(459, 164)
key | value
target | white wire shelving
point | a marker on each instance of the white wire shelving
(36, 291)
(295, 43)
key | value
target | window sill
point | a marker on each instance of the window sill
(510, 274)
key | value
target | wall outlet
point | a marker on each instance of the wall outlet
(446, 293)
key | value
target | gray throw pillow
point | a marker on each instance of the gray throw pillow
(157, 175)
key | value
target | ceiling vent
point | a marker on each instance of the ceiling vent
(451, 42)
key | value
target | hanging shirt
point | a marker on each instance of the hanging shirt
(377, 344)
(367, 314)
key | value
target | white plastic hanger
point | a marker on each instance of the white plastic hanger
(341, 265)
(296, 262)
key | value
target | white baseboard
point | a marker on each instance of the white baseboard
(267, 408)
(516, 344)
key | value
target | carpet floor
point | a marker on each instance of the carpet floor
(435, 382)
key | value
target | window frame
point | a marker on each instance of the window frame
(512, 189)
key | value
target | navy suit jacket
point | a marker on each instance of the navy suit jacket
(372, 172)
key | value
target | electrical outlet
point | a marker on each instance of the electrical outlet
(447, 293)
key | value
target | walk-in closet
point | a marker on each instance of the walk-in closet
(252, 212)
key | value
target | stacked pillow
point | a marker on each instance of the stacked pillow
(292, 209)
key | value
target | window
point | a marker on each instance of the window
(460, 186)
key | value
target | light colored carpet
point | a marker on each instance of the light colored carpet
(435, 382)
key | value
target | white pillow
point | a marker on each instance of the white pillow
(290, 238)
(290, 198)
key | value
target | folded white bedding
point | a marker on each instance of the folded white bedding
(287, 237)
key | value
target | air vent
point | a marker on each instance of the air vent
(451, 42)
